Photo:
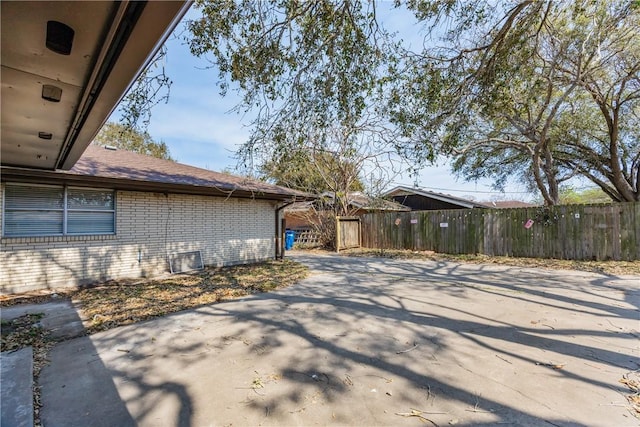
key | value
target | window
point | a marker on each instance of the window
(90, 211)
(47, 210)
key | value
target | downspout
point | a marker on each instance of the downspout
(279, 245)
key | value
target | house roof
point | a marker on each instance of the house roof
(126, 170)
(360, 200)
(405, 191)
(357, 200)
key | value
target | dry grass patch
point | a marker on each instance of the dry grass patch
(605, 267)
(116, 304)
(22, 331)
(125, 302)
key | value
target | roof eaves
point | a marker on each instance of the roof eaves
(437, 196)
(62, 177)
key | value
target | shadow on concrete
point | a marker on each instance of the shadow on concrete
(77, 389)
(16, 393)
(362, 296)
(362, 342)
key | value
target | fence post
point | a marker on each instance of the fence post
(337, 233)
(283, 227)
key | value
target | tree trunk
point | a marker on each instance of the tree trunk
(548, 185)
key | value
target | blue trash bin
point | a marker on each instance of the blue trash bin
(289, 238)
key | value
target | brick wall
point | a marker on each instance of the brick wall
(298, 220)
(149, 227)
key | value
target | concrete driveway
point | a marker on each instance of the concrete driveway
(367, 341)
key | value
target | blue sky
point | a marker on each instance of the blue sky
(200, 129)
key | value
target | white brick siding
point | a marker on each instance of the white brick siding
(149, 226)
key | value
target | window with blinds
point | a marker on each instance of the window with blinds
(47, 210)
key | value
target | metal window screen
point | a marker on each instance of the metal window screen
(186, 261)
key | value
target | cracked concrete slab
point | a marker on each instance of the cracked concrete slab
(367, 341)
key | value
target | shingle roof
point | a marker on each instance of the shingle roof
(356, 199)
(127, 170)
(400, 190)
(362, 201)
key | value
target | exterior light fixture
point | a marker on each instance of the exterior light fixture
(51, 93)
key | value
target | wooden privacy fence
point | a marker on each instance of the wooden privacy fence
(348, 232)
(581, 232)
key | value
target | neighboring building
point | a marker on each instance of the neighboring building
(118, 214)
(302, 215)
(424, 200)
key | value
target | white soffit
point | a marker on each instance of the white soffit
(111, 43)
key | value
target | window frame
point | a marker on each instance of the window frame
(65, 210)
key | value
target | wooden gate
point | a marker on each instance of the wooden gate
(347, 232)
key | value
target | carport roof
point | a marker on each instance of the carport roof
(65, 66)
(125, 170)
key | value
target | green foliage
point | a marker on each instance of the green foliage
(313, 173)
(311, 72)
(125, 138)
(320, 52)
(151, 88)
(571, 196)
(543, 91)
